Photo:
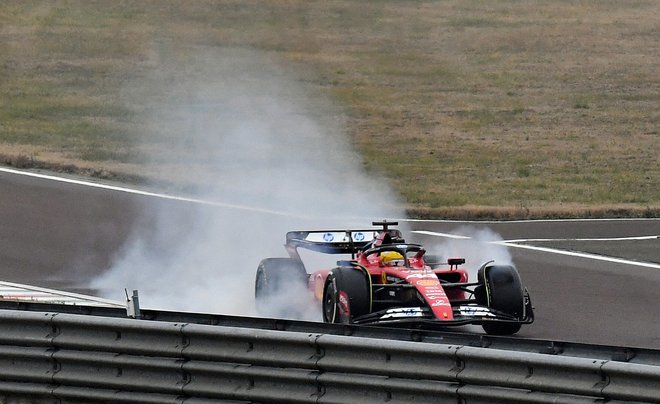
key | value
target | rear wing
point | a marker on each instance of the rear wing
(335, 241)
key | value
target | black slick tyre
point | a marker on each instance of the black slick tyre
(501, 289)
(346, 295)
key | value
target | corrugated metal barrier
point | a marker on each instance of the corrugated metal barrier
(60, 357)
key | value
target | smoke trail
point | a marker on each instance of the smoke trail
(477, 249)
(241, 131)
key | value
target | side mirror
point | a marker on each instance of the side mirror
(455, 262)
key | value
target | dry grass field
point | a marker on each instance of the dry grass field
(469, 107)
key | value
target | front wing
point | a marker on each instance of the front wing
(463, 315)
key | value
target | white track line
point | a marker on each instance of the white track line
(580, 255)
(446, 235)
(512, 243)
(146, 193)
(270, 211)
(525, 240)
(19, 292)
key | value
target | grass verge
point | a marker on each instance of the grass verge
(471, 108)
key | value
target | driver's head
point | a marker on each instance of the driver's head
(390, 257)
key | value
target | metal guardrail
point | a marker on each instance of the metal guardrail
(83, 358)
(429, 335)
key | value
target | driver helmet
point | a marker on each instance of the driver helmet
(390, 257)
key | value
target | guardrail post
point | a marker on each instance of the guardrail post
(133, 305)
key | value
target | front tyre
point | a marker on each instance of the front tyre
(501, 289)
(346, 296)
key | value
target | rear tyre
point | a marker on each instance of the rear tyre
(346, 295)
(501, 289)
(280, 288)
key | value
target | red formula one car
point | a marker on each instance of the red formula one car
(389, 281)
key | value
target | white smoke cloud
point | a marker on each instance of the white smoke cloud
(478, 248)
(242, 131)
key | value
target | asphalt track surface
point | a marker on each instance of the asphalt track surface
(61, 235)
